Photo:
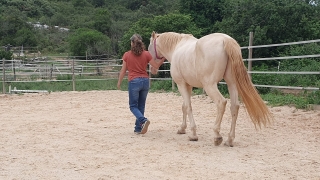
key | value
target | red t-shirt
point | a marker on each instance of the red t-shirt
(137, 65)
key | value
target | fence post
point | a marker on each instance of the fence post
(73, 79)
(3, 77)
(14, 70)
(51, 71)
(250, 52)
(173, 85)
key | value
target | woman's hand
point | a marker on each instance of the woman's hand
(154, 70)
(155, 64)
(122, 74)
(163, 59)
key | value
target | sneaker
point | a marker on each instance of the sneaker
(145, 126)
(137, 132)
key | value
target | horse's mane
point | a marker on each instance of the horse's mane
(169, 40)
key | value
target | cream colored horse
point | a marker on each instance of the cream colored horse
(204, 63)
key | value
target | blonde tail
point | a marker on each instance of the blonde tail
(256, 108)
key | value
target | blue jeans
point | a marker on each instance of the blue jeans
(138, 89)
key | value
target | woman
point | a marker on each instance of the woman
(136, 61)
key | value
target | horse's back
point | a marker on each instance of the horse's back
(183, 63)
(212, 40)
(211, 57)
(212, 44)
(200, 61)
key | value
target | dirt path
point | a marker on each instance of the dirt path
(89, 135)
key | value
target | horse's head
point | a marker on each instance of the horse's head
(153, 46)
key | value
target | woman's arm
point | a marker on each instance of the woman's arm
(122, 74)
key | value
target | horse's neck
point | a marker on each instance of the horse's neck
(167, 53)
(171, 43)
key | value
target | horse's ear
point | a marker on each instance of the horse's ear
(153, 34)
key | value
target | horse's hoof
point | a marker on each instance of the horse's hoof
(218, 141)
(194, 138)
(228, 143)
(181, 131)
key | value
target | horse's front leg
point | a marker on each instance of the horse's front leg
(193, 126)
(186, 91)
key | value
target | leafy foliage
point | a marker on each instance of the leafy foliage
(102, 21)
(5, 54)
(271, 21)
(91, 41)
(204, 12)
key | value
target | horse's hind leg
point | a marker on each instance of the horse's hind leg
(183, 127)
(216, 96)
(186, 91)
(232, 88)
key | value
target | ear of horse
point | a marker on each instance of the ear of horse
(153, 34)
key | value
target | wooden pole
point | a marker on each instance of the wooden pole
(14, 70)
(51, 70)
(173, 85)
(250, 53)
(3, 77)
(73, 79)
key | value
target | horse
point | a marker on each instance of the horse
(203, 63)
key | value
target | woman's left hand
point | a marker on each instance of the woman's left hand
(154, 70)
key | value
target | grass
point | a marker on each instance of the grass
(274, 98)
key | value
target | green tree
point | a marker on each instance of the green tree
(98, 3)
(87, 40)
(205, 13)
(13, 22)
(5, 55)
(272, 22)
(80, 3)
(33, 8)
(59, 19)
(102, 21)
(26, 37)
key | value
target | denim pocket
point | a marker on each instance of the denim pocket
(134, 85)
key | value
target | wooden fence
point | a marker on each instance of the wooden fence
(40, 69)
(45, 70)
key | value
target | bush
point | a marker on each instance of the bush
(5, 54)
(161, 85)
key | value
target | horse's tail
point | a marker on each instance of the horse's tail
(256, 108)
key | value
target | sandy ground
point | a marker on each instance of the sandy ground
(89, 135)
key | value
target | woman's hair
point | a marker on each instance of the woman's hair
(137, 46)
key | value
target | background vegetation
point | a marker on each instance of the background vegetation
(43, 23)
(103, 27)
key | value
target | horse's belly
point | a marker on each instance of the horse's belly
(189, 78)
(194, 82)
